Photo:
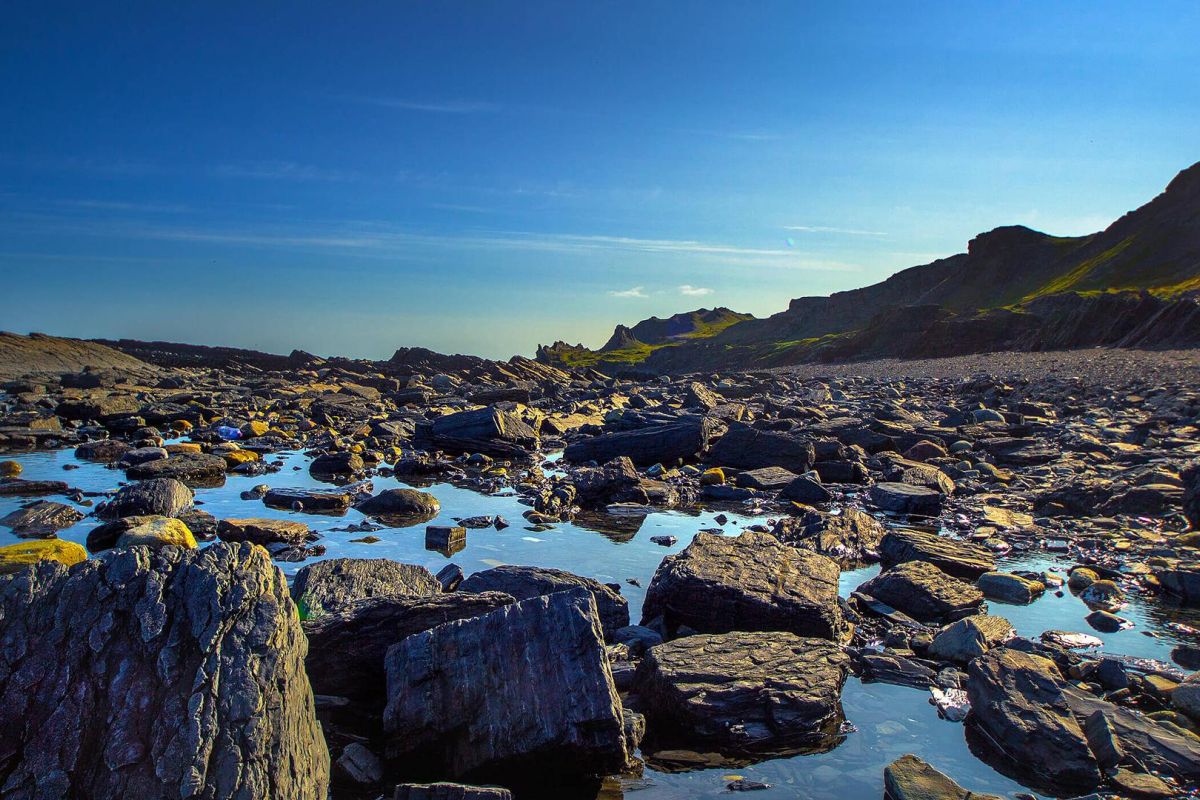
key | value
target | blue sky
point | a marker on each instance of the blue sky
(480, 177)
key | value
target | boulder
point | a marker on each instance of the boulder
(768, 479)
(158, 532)
(407, 506)
(104, 450)
(903, 498)
(743, 691)
(449, 791)
(961, 559)
(485, 430)
(805, 489)
(1186, 696)
(1009, 588)
(186, 467)
(346, 647)
(329, 585)
(336, 464)
(525, 582)
(41, 519)
(744, 447)
(145, 674)
(312, 501)
(970, 638)
(851, 537)
(751, 582)
(910, 778)
(262, 531)
(1190, 478)
(528, 683)
(668, 443)
(924, 592)
(15, 557)
(161, 497)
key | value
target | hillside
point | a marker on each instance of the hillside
(39, 354)
(1133, 284)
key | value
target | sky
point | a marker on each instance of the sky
(481, 177)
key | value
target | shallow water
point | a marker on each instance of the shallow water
(885, 721)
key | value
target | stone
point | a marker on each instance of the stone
(743, 691)
(42, 518)
(960, 559)
(752, 582)
(336, 464)
(924, 592)
(359, 764)
(262, 531)
(10, 469)
(141, 455)
(1190, 478)
(187, 467)
(480, 697)
(744, 447)
(1186, 697)
(445, 539)
(485, 430)
(911, 778)
(346, 647)
(328, 585)
(408, 506)
(15, 557)
(1104, 595)
(145, 673)
(901, 498)
(805, 489)
(449, 791)
(158, 532)
(1009, 588)
(970, 637)
(525, 582)
(162, 497)
(683, 440)
(104, 450)
(313, 501)
(18, 487)
(850, 538)
(1183, 581)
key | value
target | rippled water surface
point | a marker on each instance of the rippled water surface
(885, 721)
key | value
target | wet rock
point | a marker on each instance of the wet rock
(445, 539)
(959, 559)
(98, 408)
(10, 469)
(744, 447)
(262, 531)
(766, 478)
(1190, 478)
(901, 498)
(336, 464)
(159, 662)
(141, 455)
(669, 443)
(158, 532)
(1009, 588)
(743, 691)
(410, 505)
(485, 430)
(752, 582)
(1104, 595)
(359, 764)
(806, 489)
(17, 487)
(104, 450)
(480, 697)
(1183, 581)
(911, 778)
(525, 582)
(346, 647)
(186, 467)
(15, 557)
(970, 637)
(42, 518)
(327, 586)
(308, 500)
(850, 537)
(449, 791)
(924, 592)
(163, 497)
(1186, 696)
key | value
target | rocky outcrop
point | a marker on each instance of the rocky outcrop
(962, 560)
(329, 585)
(744, 447)
(924, 592)
(38, 353)
(486, 430)
(668, 443)
(743, 692)
(752, 582)
(145, 674)
(851, 537)
(527, 685)
(164, 497)
(524, 582)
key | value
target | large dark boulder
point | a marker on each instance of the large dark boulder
(525, 686)
(751, 582)
(163, 497)
(404, 506)
(851, 537)
(687, 438)
(186, 467)
(743, 447)
(924, 592)
(961, 559)
(525, 582)
(346, 647)
(742, 692)
(329, 585)
(484, 430)
(157, 673)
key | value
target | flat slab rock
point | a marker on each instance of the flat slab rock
(310, 500)
(903, 498)
(684, 439)
(963, 560)
(262, 531)
(333, 583)
(911, 778)
(42, 518)
(187, 467)
(144, 673)
(850, 537)
(744, 691)
(487, 697)
(924, 592)
(750, 582)
(525, 582)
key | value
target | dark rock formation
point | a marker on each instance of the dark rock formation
(525, 582)
(961, 559)
(485, 430)
(683, 440)
(41, 518)
(409, 506)
(744, 447)
(924, 592)
(851, 537)
(164, 497)
(329, 585)
(186, 467)
(146, 673)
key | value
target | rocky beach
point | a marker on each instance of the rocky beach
(446, 577)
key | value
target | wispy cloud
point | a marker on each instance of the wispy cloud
(825, 229)
(431, 106)
(694, 291)
(281, 171)
(636, 291)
